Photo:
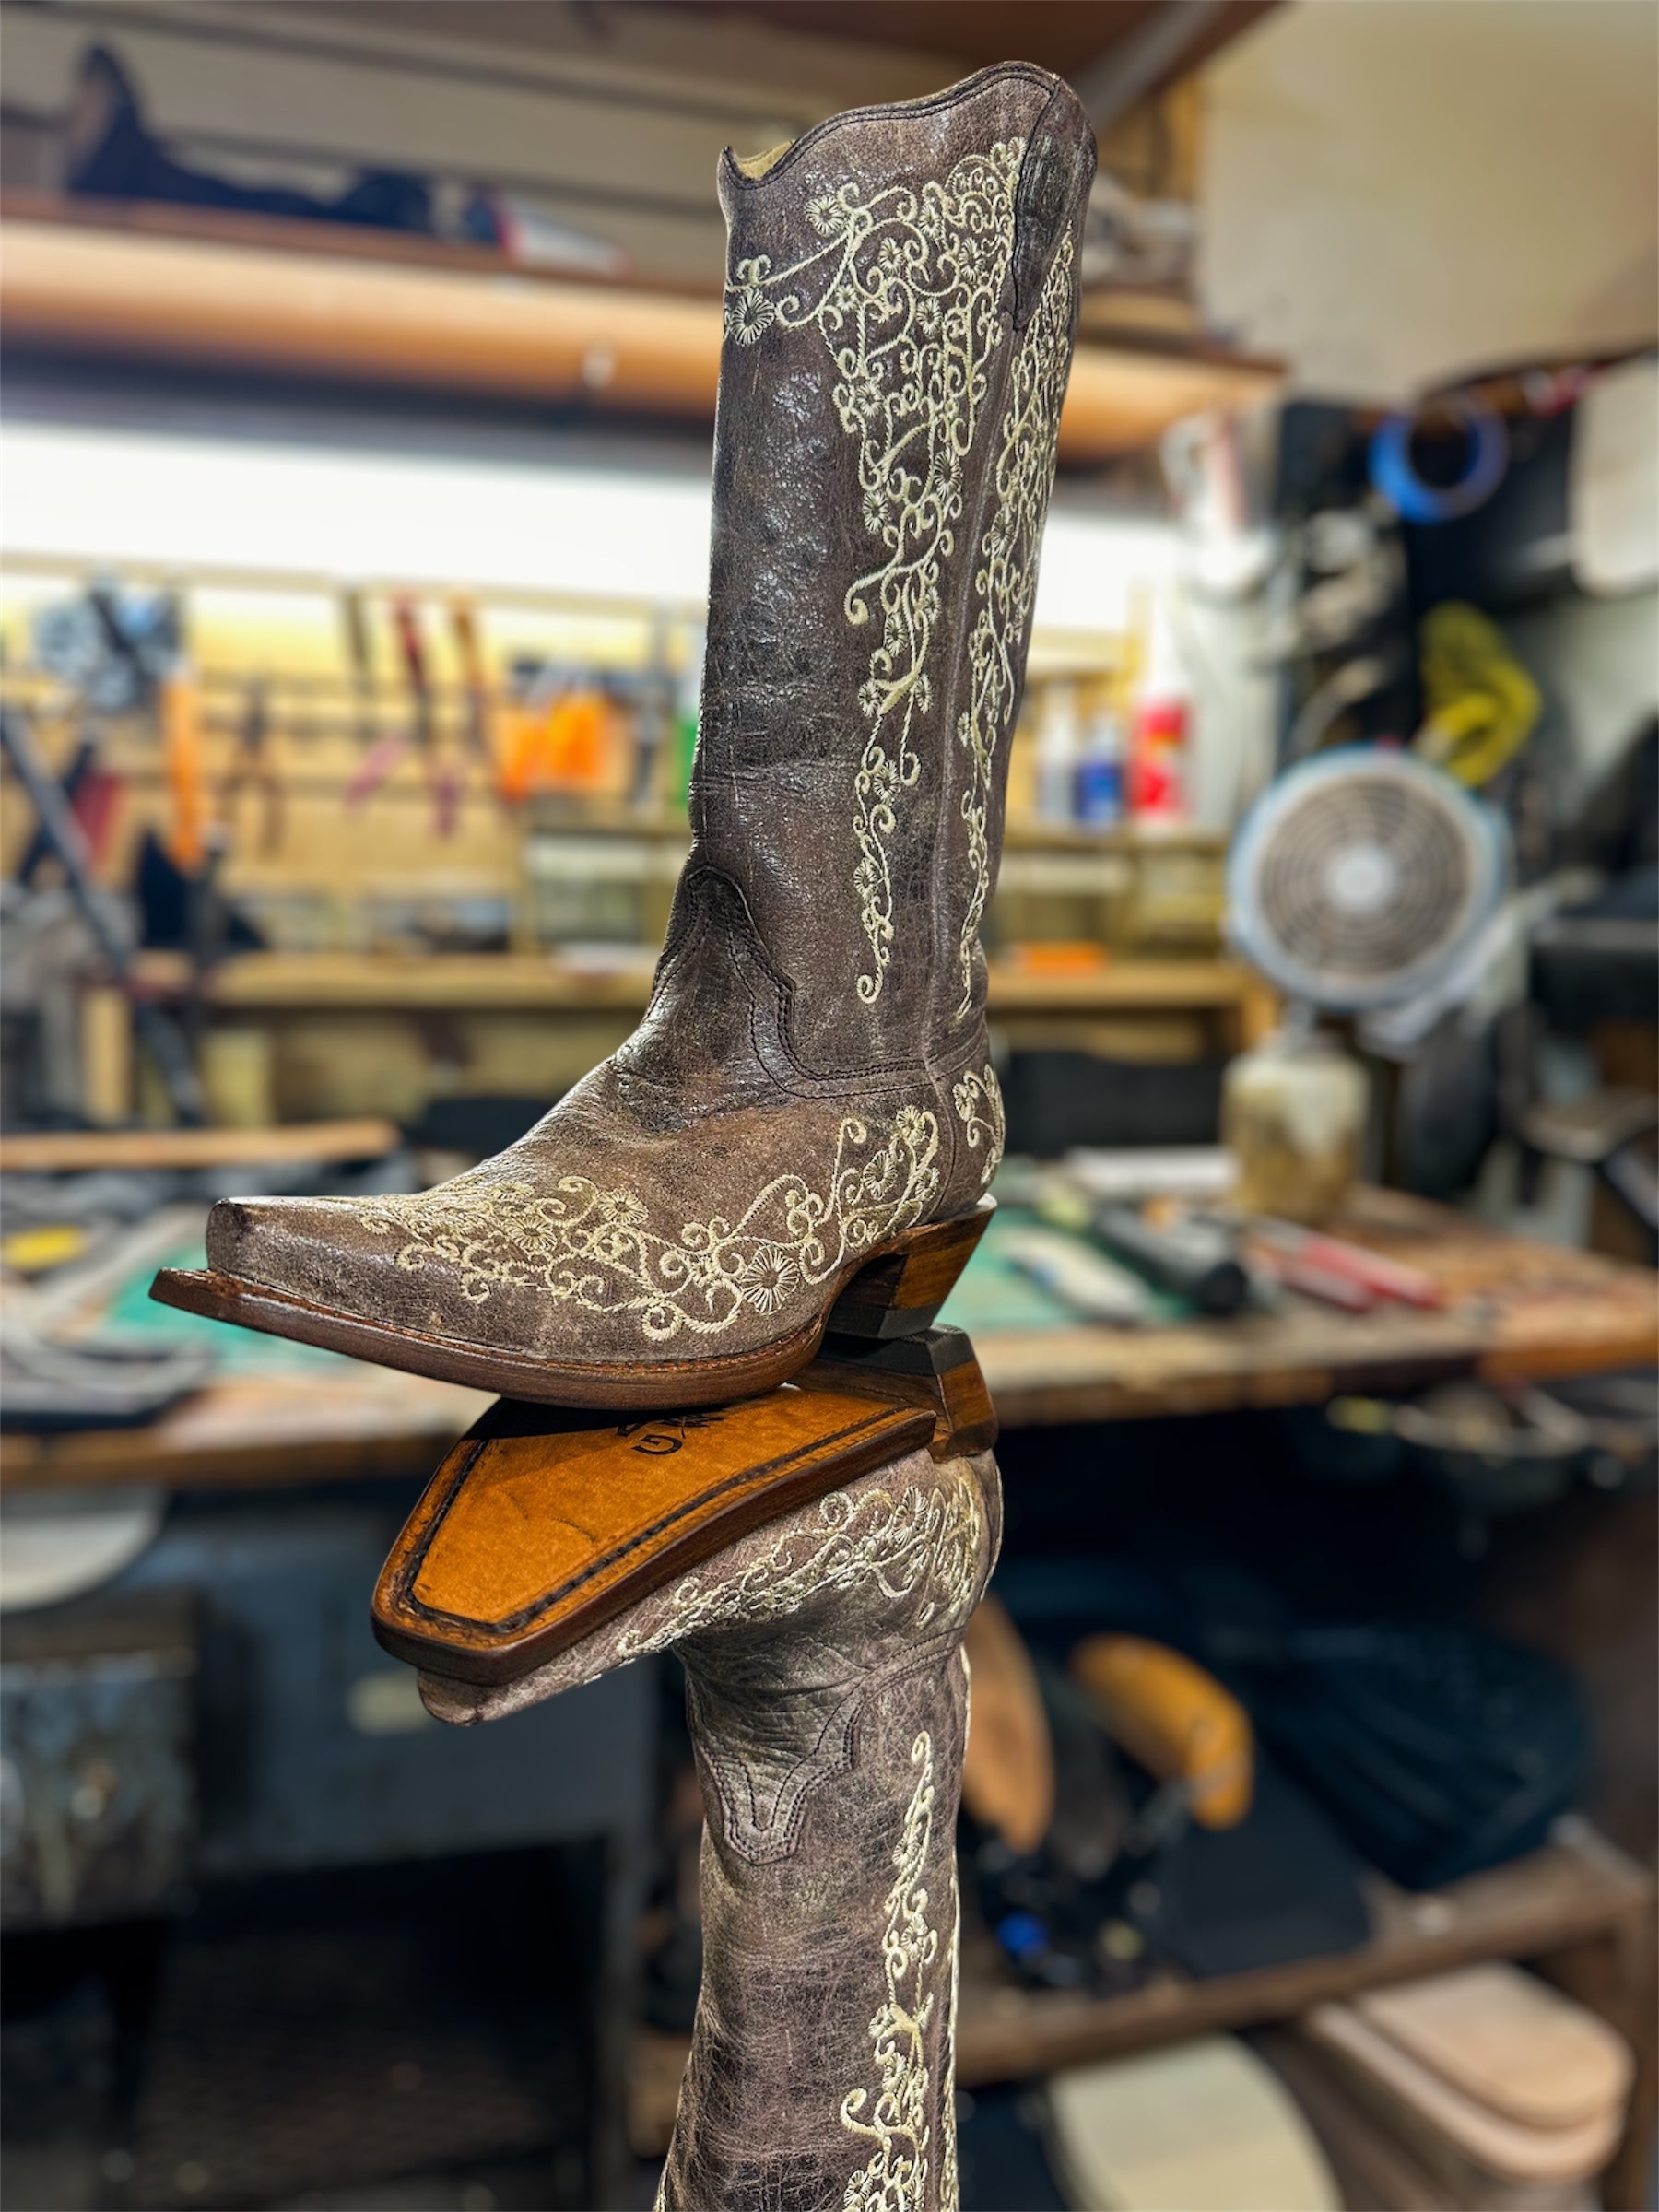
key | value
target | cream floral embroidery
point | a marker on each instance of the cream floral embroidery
(978, 1102)
(922, 1544)
(1006, 580)
(599, 1249)
(906, 291)
(895, 2180)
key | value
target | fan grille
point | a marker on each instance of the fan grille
(1364, 877)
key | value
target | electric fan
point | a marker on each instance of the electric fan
(1359, 882)
(1360, 878)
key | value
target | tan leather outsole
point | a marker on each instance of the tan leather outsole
(895, 1289)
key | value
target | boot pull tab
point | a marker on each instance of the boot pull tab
(1054, 177)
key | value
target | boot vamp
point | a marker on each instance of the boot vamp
(592, 1239)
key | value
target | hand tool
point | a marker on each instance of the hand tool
(251, 764)
(1176, 1719)
(1332, 1255)
(469, 651)
(1194, 1258)
(360, 654)
(1078, 1278)
(386, 752)
(62, 832)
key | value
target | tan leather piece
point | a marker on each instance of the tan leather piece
(1009, 1773)
(1448, 2127)
(1510, 2042)
(812, 1078)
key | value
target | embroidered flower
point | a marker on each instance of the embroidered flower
(830, 214)
(769, 1280)
(749, 315)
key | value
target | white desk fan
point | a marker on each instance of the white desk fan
(1357, 882)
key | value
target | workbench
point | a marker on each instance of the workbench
(1515, 1311)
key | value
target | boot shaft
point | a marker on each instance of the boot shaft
(900, 307)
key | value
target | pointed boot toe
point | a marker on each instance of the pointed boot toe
(810, 1092)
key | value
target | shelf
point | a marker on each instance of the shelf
(295, 304)
(1578, 1890)
(1570, 1892)
(520, 982)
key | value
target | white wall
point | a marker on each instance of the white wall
(1397, 191)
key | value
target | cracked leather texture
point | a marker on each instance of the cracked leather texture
(827, 1693)
(808, 1079)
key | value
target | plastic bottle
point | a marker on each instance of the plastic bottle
(1098, 781)
(1159, 722)
(1057, 755)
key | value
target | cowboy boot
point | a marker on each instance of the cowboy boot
(827, 1691)
(811, 1083)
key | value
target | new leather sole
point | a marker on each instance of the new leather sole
(894, 1290)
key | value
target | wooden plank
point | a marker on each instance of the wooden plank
(82, 1150)
(399, 323)
(1572, 1892)
(1565, 1894)
(503, 981)
(269, 1433)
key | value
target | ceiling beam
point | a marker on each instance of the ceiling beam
(1143, 58)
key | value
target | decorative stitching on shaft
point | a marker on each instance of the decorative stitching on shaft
(908, 289)
(1006, 580)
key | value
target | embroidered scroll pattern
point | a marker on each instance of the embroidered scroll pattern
(895, 2180)
(599, 1249)
(978, 1102)
(1006, 580)
(906, 291)
(921, 1543)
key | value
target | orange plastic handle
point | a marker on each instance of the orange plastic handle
(1174, 1718)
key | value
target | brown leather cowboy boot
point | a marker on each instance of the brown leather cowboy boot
(810, 1083)
(828, 1696)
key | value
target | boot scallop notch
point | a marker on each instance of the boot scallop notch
(810, 1093)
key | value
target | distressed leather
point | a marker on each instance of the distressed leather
(812, 1075)
(827, 1691)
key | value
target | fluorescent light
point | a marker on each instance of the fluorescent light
(144, 500)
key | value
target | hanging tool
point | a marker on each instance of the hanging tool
(250, 765)
(62, 833)
(185, 772)
(422, 735)
(360, 651)
(469, 651)
(92, 793)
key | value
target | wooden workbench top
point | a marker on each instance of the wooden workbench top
(1515, 1311)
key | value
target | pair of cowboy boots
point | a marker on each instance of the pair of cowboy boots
(807, 1113)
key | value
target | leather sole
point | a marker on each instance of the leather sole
(895, 1290)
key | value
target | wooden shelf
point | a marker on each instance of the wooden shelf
(518, 983)
(1577, 1895)
(1569, 1893)
(295, 304)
